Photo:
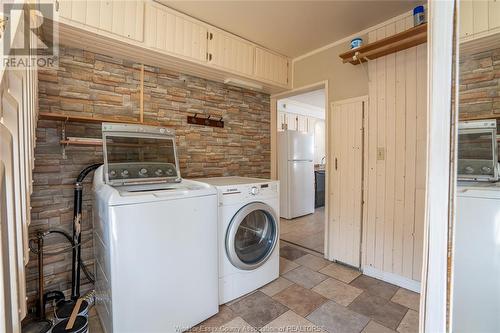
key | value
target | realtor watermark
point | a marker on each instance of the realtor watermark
(30, 35)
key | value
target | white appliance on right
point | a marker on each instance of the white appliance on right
(296, 173)
(476, 259)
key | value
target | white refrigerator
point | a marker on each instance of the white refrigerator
(296, 173)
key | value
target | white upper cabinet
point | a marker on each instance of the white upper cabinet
(479, 18)
(120, 17)
(271, 66)
(230, 52)
(175, 33)
(165, 37)
(302, 123)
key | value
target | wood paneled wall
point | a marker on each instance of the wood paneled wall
(395, 158)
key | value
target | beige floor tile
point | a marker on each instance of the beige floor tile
(374, 327)
(313, 262)
(409, 323)
(407, 298)
(301, 300)
(291, 322)
(235, 325)
(276, 286)
(375, 286)
(336, 318)
(340, 272)
(292, 252)
(224, 316)
(305, 277)
(287, 265)
(258, 309)
(337, 291)
(379, 309)
(307, 231)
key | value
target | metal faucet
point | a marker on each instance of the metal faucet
(323, 159)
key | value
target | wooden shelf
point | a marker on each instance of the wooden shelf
(395, 43)
(481, 117)
(97, 119)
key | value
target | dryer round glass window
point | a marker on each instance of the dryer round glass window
(252, 236)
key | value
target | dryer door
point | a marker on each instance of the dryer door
(252, 236)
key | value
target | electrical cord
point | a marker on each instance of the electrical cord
(85, 269)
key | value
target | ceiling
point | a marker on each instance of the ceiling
(315, 98)
(292, 27)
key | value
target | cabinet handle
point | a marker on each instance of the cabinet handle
(335, 163)
(210, 57)
(211, 36)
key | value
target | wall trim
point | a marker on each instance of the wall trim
(398, 280)
(348, 38)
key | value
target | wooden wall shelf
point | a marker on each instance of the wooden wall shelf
(482, 117)
(395, 43)
(86, 119)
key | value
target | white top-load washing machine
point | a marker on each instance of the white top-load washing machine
(248, 234)
(155, 236)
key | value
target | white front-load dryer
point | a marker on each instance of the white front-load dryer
(248, 234)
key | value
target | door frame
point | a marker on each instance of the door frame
(364, 151)
(274, 143)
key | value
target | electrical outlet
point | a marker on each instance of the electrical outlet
(380, 153)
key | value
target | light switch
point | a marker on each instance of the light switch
(380, 153)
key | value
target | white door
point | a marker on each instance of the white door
(346, 170)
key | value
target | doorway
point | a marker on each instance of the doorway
(301, 161)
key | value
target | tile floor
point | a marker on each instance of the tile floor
(314, 295)
(306, 231)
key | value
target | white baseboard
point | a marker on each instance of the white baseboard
(392, 278)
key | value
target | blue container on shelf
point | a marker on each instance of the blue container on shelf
(418, 15)
(356, 42)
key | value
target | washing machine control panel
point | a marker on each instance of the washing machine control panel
(123, 171)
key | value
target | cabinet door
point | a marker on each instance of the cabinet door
(230, 52)
(480, 10)
(271, 66)
(175, 33)
(292, 121)
(281, 121)
(120, 17)
(494, 14)
(302, 123)
(466, 18)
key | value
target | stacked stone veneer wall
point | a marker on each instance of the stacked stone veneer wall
(93, 84)
(479, 86)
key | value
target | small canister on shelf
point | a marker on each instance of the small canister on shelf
(418, 15)
(356, 42)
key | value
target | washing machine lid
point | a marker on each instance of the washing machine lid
(135, 154)
(252, 236)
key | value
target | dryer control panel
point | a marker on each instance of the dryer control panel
(237, 193)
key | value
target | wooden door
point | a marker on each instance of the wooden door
(346, 166)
